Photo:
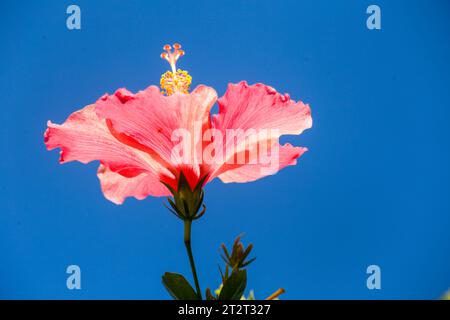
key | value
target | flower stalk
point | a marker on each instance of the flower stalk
(187, 243)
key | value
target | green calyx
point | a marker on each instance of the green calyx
(187, 204)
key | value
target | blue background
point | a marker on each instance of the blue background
(373, 189)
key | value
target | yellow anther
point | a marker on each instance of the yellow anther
(178, 82)
(175, 80)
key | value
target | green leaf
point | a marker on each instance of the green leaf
(178, 287)
(234, 286)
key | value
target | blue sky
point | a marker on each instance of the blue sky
(373, 189)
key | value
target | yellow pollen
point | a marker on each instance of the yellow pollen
(176, 80)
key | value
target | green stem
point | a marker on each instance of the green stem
(187, 243)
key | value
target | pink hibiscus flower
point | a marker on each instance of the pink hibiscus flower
(150, 142)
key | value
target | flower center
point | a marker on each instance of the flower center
(175, 80)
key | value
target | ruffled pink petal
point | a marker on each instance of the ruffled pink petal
(150, 118)
(259, 108)
(85, 137)
(287, 156)
(116, 187)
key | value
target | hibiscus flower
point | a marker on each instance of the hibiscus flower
(152, 142)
